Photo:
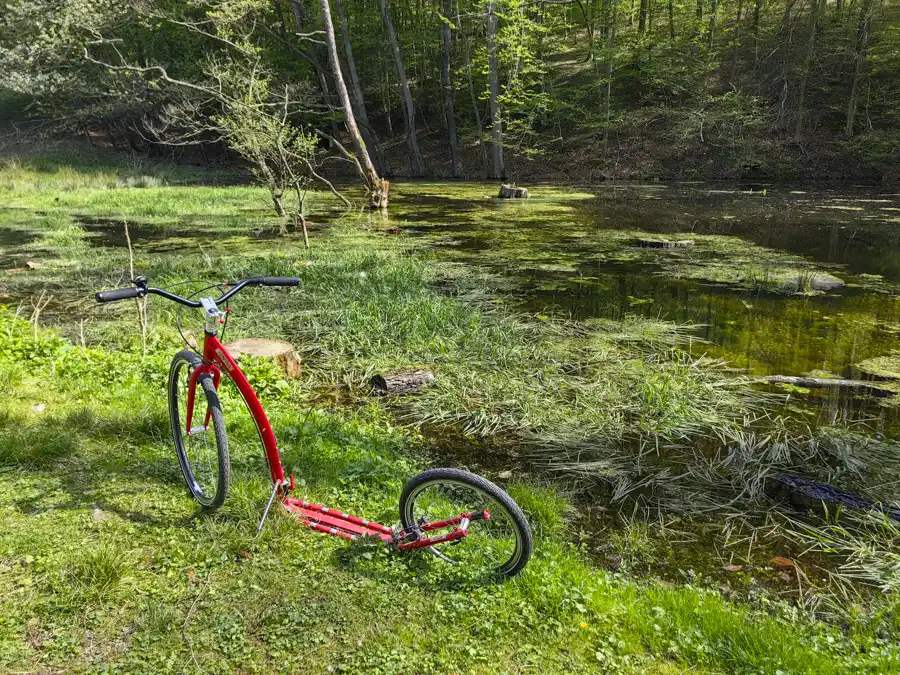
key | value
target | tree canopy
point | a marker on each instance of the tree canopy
(746, 88)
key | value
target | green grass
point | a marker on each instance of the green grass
(107, 565)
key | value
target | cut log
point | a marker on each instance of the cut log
(513, 192)
(664, 243)
(824, 382)
(404, 382)
(279, 351)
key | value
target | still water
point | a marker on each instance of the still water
(576, 251)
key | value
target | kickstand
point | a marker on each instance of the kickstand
(266, 512)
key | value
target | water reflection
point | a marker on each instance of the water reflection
(573, 255)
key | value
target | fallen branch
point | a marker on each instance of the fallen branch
(824, 382)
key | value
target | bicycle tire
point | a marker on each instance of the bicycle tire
(212, 493)
(524, 542)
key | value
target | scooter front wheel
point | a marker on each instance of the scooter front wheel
(501, 542)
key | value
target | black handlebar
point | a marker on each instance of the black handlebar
(141, 289)
(277, 281)
(119, 294)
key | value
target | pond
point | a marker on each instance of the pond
(590, 253)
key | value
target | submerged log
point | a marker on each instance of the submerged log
(824, 382)
(664, 243)
(513, 192)
(279, 351)
(805, 493)
(403, 382)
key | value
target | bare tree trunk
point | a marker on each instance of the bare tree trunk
(359, 103)
(378, 188)
(713, 6)
(671, 21)
(479, 127)
(279, 12)
(862, 47)
(756, 11)
(410, 110)
(700, 9)
(587, 13)
(737, 39)
(787, 34)
(642, 16)
(801, 96)
(499, 169)
(387, 105)
(313, 59)
(448, 92)
(611, 33)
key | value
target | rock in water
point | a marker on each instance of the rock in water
(818, 281)
(513, 192)
(279, 351)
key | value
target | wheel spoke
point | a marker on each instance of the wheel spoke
(200, 451)
(489, 544)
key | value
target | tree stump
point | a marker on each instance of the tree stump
(513, 192)
(403, 382)
(279, 351)
(380, 194)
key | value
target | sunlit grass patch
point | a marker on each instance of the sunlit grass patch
(97, 570)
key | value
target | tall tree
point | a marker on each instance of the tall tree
(479, 127)
(359, 102)
(671, 9)
(312, 57)
(418, 161)
(449, 112)
(376, 186)
(610, 54)
(804, 74)
(499, 168)
(859, 57)
(736, 39)
(757, 9)
(786, 42)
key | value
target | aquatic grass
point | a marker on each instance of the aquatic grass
(867, 544)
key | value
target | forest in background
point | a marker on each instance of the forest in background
(581, 90)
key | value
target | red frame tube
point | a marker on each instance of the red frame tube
(216, 359)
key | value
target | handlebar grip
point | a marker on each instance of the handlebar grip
(118, 294)
(279, 281)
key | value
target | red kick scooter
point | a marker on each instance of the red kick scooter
(459, 517)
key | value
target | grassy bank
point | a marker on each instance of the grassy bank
(107, 564)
